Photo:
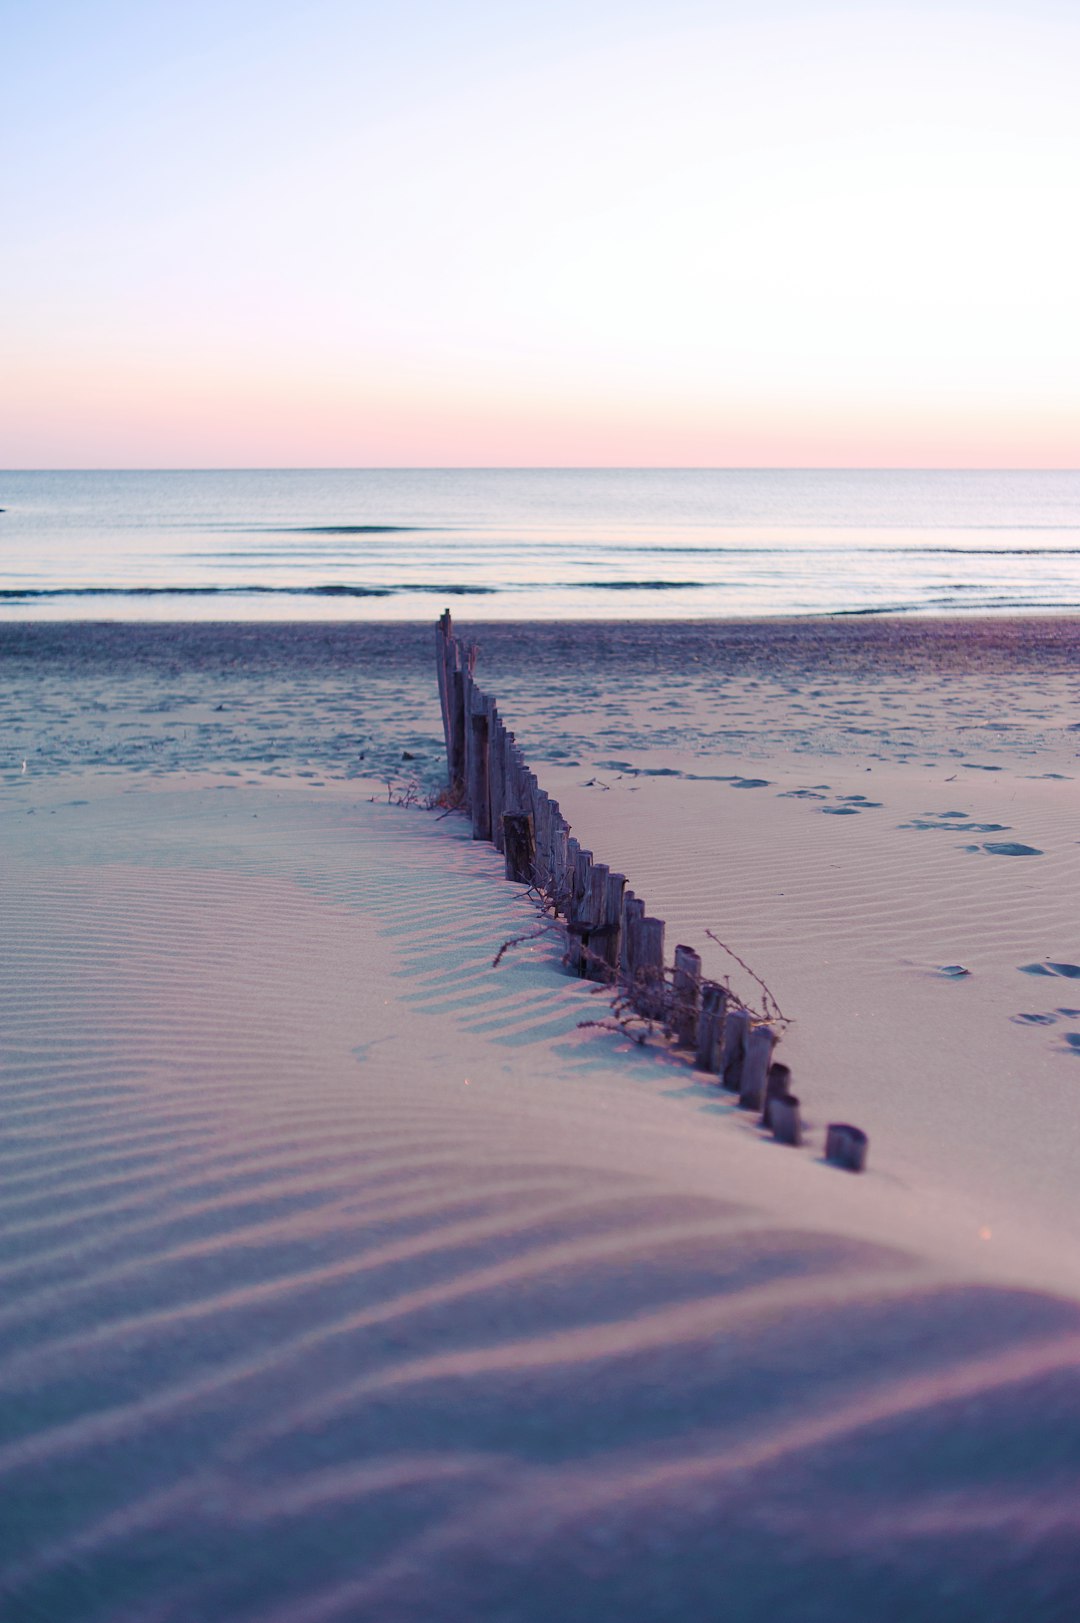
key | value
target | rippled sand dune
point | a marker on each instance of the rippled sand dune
(345, 1276)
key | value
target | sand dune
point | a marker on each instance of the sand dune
(344, 1276)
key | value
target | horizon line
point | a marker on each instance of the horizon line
(552, 467)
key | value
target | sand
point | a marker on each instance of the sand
(347, 1276)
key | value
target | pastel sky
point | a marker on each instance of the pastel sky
(580, 232)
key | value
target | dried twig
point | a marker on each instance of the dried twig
(771, 1010)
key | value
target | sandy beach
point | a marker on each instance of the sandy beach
(348, 1276)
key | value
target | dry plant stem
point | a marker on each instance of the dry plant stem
(412, 794)
(770, 1010)
(628, 991)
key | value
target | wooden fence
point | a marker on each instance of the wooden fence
(610, 936)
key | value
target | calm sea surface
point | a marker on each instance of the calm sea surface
(534, 544)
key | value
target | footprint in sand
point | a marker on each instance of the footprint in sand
(1049, 966)
(1007, 848)
(851, 804)
(958, 828)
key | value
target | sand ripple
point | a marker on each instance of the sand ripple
(299, 1323)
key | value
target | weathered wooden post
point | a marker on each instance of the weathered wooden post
(651, 989)
(477, 755)
(542, 805)
(606, 939)
(710, 1026)
(760, 1042)
(785, 1120)
(589, 920)
(633, 912)
(443, 652)
(467, 703)
(846, 1146)
(497, 777)
(777, 1086)
(519, 847)
(733, 1048)
(578, 885)
(686, 997)
(516, 799)
(560, 841)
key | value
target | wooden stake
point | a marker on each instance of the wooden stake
(777, 1086)
(760, 1042)
(560, 841)
(576, 918)
(710, 1026)
(457, 731)
(650, 987)
(633, 913)
(519, 846)
(733, 1047)
(606, 941)
(846, 1146)
(595, 967)
(785, 1120)
(442, 655)
(686, 997)
(497, 777)
(477, 757)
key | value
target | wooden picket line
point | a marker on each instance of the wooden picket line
(610, 937)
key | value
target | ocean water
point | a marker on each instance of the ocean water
(508, 544)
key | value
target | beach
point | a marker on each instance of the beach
(348, 1275)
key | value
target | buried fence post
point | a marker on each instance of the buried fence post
(456, 700)
(846, 1146)
(479, 791)
(732, 1048)
(443, 650)
(593, 964)
(686, 996)
(609, 942)
(777, 1086)
(760, 1042)
(633, 911)
(519, 846)
(577, 907)
(785, 1120)
(497, 777)
(650, 987)
(711, 1026)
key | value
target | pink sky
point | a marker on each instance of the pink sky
(694, 235)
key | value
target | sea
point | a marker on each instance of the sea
(532, 544)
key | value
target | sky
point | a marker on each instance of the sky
(490, 233)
